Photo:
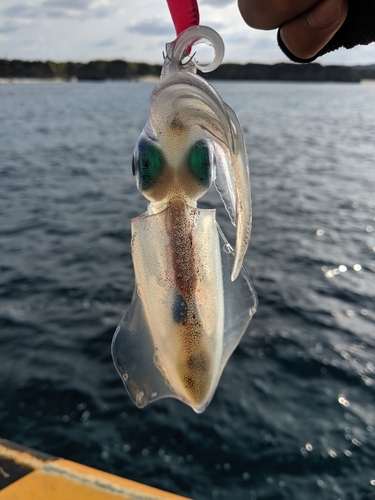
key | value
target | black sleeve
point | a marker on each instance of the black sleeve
(358, 29)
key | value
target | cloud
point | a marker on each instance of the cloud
(21, 11)
(65, 8)
(217, 3)
(219, 26)
(237, 38)
(83, 9)
(264, 43)
(79, 9)
(7, 29)
(12, 25)
(152, 27)
(107, 42)
(68, 4)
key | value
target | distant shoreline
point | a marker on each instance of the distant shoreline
(31, 81)
(15, 71)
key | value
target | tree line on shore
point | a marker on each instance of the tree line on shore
(93, 70)
(123, 70)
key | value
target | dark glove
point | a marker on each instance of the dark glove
(358, 29)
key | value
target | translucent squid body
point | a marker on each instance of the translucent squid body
(193, 298)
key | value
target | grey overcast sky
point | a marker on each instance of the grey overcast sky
(137, 30)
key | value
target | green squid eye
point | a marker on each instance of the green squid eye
(148, 163)
(199, 161)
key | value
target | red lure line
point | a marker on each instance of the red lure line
(185, 13)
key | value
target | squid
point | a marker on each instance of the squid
(193, 298)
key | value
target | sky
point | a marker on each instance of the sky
(137, 30)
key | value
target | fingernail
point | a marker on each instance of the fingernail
(325, 14)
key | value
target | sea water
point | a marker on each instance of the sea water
(294, 413)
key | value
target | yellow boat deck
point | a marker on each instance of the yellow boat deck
(27, 474)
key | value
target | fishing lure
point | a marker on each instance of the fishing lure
(193, 298)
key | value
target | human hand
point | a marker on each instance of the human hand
(306, 26)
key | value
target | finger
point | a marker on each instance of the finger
(307, 34)
(270, 14)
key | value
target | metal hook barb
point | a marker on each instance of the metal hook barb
(187, 63)
(166, 56)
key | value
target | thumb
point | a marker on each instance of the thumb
(305, 35)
